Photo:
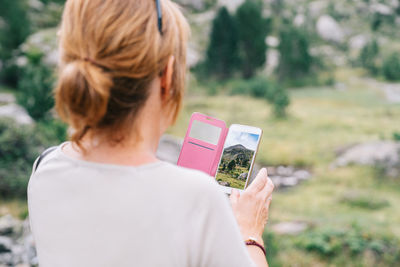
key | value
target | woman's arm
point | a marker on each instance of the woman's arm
(251, 210)
(257, 256)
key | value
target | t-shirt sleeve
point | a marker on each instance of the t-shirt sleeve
(216, 238)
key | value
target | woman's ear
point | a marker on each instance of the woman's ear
(166, 79)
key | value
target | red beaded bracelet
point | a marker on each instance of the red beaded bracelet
(252, 242)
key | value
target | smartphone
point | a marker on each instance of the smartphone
(237, 159)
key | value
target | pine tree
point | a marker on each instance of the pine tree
(253, 29)
(295, 59)
(222, 53)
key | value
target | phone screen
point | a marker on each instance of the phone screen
(236, 159)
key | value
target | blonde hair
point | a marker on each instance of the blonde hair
(110, 52)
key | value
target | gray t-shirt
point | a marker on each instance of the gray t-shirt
(90, 214)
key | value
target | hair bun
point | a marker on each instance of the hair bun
(84, 89)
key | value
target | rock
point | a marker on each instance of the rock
(193, 55)
(316, 7)
(272, 41)
(16, 112)
(6, 244)
(194, 4)
(242, 176)
(289, 181)
(329, 30)
(169, 148)
(385, 154)
(381, 9)
(6, 98)
(6, 259)
(284, 171)
(358, 42)
(36, 4)
(289, 228)
(231, 5)
(299, 20)
(302, 174)
(17, 249)
(272, 60)
(392, 92)
(44, 41)
(340, 86)
(9, 225)
(224, 183)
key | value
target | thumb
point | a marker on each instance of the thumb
(234, 197)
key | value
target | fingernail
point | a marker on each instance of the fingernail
(265, 170)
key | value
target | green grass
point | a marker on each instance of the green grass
(320, 121)
(16, 207)
(230, 177)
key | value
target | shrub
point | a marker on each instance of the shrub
(391, 67)
(16, 28)
(369, 57)
(35, 89)
(19, 147)
(222, 52)
(253, 29)
(353, 242)
(272, 248)
(18, 150)
(263, 88)
(396, 136)
(365, 201)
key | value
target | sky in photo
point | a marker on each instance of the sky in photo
(248, 140)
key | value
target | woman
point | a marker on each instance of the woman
(103, 198)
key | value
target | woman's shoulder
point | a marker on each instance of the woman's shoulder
(193, 181)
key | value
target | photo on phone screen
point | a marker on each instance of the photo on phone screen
(237, 157)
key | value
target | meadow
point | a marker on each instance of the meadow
(230, 177)
(320, 121)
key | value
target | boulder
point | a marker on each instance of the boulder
(6, 244)
(169, 148)
(381, 9)
(194, 4)
(329, 30)
(299, 20)
(302, 174)
(316, 7)
(231, 5)
(224, 183)
(272, 41)
(358, 42)
(18, 247)
(17, 113)
(44, 41)
(289, 228)
(385, 154)
(9, 225)
(6, 98)
(242, 176)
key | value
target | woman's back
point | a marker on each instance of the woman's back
(92, 214)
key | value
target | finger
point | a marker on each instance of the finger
(234, 197)
(259, 182)
(266, 192)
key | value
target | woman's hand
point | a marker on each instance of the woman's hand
(251, 207)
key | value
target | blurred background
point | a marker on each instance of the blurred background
(321, 78)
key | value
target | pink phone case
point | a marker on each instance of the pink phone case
(200, 155)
